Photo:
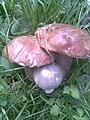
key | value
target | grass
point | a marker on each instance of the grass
(21, 99)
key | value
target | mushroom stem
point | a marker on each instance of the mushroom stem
(48, 77)
(63, 61)
(29, 73)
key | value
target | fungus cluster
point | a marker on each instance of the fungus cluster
(49, 53)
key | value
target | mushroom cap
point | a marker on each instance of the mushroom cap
(65, 39)
(25, 50)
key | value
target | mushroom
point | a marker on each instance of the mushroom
(66, 42)
(63, 40)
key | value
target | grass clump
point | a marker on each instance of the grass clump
(22, 100)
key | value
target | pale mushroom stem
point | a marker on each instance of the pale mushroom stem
(63, 61)
(48, 77)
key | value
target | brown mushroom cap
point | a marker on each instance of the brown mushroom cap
(26, 51)
(65, 39)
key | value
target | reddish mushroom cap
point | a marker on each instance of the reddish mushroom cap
(26, 51)
(64, 38)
